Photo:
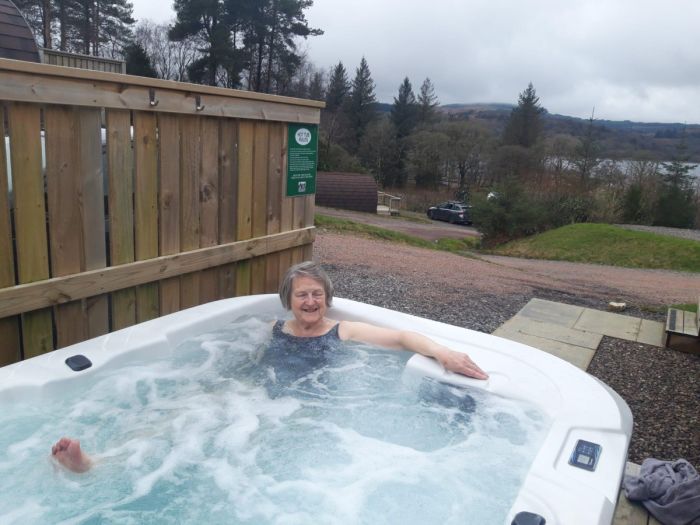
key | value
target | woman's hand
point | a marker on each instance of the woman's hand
(460, 363)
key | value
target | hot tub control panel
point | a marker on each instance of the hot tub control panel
(585, 455)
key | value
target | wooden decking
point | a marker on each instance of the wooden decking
(629, 513)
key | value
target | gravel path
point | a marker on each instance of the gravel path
(693, 235)
(429, 231)
(662, 389)
(661, 386)
(442, 275)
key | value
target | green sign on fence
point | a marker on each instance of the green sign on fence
(301, 159)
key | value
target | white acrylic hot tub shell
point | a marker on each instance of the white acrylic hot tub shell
(579, 406)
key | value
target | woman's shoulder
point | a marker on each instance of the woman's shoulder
(350, 329)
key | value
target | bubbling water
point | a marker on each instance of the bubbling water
(212, 435)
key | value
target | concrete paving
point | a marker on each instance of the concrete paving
(573, 333)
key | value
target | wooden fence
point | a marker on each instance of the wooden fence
(127, 198)
(62, 58)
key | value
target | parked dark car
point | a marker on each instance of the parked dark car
(452, 212)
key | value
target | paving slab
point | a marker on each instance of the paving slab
(576, 355)
(652, 333)
(551, 312)
(573, 333)
(628, 512)
(553, 331)
(606, 323)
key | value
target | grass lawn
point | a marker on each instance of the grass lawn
(605, 244)
(344, 225)
(688, 307)
(412, 216)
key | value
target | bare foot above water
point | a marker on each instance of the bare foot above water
(68, 453)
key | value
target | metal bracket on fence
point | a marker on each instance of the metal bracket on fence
(198, 103)
(152, 98)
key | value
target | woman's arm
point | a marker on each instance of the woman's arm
(403, 339)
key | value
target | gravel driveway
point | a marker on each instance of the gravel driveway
(480, 293)
(429, 231)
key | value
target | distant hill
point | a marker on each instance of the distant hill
(459, 108)
(617, 139)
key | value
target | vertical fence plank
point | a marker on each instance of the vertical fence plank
(274, 203)
(287, 209)
(309, 206)
(9, 327)
(93, 212)
(120, 172)
(30, 219)
(190, 165)
(209, 205)
(169, 204)
(64, 192)
(299, 213)
(298, 221)
(244, 227)
(146, 207)
(259, 216)
(228, 200)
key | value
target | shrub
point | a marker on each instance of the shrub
(336, 158)
(508, 214)
(675, 208)
(567, 209)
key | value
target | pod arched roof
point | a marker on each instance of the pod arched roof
(16, 38)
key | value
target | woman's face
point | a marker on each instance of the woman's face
(308, 300)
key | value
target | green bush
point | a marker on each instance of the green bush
(632, 205)
(567, 209)
(336, 158)
(675, 208)
(508, 213)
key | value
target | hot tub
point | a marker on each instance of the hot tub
(578, 406)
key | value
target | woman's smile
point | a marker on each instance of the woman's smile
(308, 300)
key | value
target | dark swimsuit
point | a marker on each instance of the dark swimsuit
(291, 362)
(319, 342)
(289, 359)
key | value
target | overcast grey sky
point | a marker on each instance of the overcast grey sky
(631, 59)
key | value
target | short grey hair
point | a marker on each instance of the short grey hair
(305, 269)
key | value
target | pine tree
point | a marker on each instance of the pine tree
(137, 61)
(91, 27)
(361, 110)
(98, 27)
(270, 38)
(217, 25)
(586, 156)
(316, 87)
(338, 88)
(525, 123)
(676, 206)
(379, 151)
(404, 111)
(427, 103)
(677, 172)
(113, 22)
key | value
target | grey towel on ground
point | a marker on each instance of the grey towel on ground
(670, 490)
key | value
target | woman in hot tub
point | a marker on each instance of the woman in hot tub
(308, 292)
(303, 342)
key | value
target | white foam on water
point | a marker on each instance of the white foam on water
(215, 435)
